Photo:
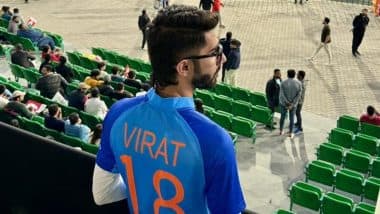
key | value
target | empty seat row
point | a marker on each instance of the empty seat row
(353, 124)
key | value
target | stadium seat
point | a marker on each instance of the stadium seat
(131, 89)
(357, 160)
(88, 63)
(110, 56)
(53, 133)
(208, 111)
(262, 114)
(363, 208)
(122, 60)
(135, 64)
(223, 89)
(349, 123)
(375, 172)
(240, 94)
(73, 58)
(259, 99)
(4, 23)
(281, 211)
(224, 119)
(16, 71)
(341, 137)
(206, 97)
(334, 203)
(371, 188)
(349, 181)
(3, 79)
(242, 108)
(39, 119)
(223, 103)
(331, 153)
(98, 52)
(67, 110)
(244, 126)
(108, 100)
(27, 44)
(33, 127)
(70, 141)
(321, 172)
(91, 148)
(90, 120)
(305, 195)
(146, 67)
(370, 130)
(71, 87)
(234, 137)
(366, 143)
(30, 75)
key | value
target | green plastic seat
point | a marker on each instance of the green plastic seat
(370, 130)
(223, 103)
(73, 58)
(331, 153)
(206, 97)
(31, 76)
(240, 94)
(224, 119)
(223, 89)
(334, 203)
(366, 143)
(38, 98)
(90, 148)
(131, 89)
(371, 188)
(234, 137)
(88, 63)
(243, 126)
(363, 208)
(349, 181)
(39, 119)
(34, 127)
(281, 211)
(67, 110)
(4, 23)
(349, 123)
(258, 99)
(242, 109)
(27, 44)
(71, 141)
(71, 87)
(110, 56)
(108, 100)
(321, 172)
(375, 172)
(122, 60)
(305, 195)
(135, 64)
(3, 79)
(262, 115)
(53, 133)
(90, 120)
(146, 67)
(341, 137)
(208, 111)
(16, 71)
(358, 161)
(98, 52)
(142, 76)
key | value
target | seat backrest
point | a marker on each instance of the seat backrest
(223, 89)
(321, 172)
(53, 133)
(306, 195)
(358, 161)
(341, 137)
(243, 126)
(207, 97)
(375, 172)
(90, 120)
(99, 52)
(363, 208)
(242, 108)
(370, 129)
(366, 143)
(349, 181)
(73, 58)
(281, 211)
(258, 98)
(334, 203)
(91, 148)
(71, 141)
(262, 114)
(34, 127)
(371, 188)
(240, 94)
(223, 103)
(330, 153)
(224, 119)
(349, 123)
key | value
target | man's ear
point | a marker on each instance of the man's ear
(183, 67)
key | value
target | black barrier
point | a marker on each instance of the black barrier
(42, 176)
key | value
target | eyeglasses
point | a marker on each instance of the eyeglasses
(218, 53)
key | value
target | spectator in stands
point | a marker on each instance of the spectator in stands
(50, 83)
(290, 93)
(226, 43)
(75, 128)
(54, 56)
(3, 97)
(46, 61)
(22, 58)
(131, 80)
(16, 13)
(102, 70)
(199, 105)
(96, 135)
(95, 105)
(106, 89)
(7, 14)
(15, 105)
(167, 114)
(93, 79)
(143, 23)
(372, 116)
(233, 62)
(206, 4)
(13, 24)
(78, 98)
(301, 77)
(54, 119)
(272, 90)
(115, 77)
(64, 70)
(35, 36)
(119, 92)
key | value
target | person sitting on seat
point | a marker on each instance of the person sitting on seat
(103, 75)
(371, 117)
(54, 55)
(131, 80)
(54, 119)
(74, 128)
(13, 24)
(106, 89)
(93, 79)
(22, 58)
(16, 107)
(78, 98)
(115, 75)
(50, 83)
(119, 92)
(64, 70)
(95, 105)
(3, 97)
(96, 135)
(35, 36)
(7, 14)
(46, 61)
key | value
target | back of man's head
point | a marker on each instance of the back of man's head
(119, 86)
(95, 73)
(291, 73)
(48, 68)
(15, 10)
(101, 65)
(327, 20)
(74, 118)
(177, 32)
(62, 60)
(301, 74)
(235, 43)
(229, 35)
(18, 47)
(370, 110)
(53, 109)
(131, 75)
(143, 12)
(2, 89)
(115, 70)
(94, 92)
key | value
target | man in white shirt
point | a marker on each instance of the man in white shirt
(95, 105)
(3, 98)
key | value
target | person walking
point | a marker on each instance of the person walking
(290, 93)
(143, 22)
(157, 151)
(325, 40)
(359, 26)
(298, 125)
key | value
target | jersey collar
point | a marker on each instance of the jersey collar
(169, 103)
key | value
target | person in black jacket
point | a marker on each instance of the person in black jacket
(233, 62)
(272, 90)
(226, 44)
(144, 20)
(63, 70)
(22, 58)
(360, 24)
(50, 83)
(206, 4)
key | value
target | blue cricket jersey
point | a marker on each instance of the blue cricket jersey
(172, 158)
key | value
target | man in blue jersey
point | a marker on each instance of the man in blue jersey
(156, 150)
